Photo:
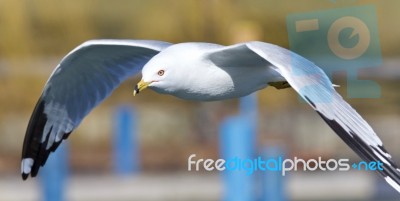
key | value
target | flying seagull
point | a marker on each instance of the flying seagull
(192, 71)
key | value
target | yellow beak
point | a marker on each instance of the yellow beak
(140, 86)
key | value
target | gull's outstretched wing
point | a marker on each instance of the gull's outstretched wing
(315, 87)
(84, 78)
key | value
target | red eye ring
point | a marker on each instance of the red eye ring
(160, 72)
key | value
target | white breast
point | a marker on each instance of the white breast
(211, 82)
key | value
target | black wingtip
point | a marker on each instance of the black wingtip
(33, 146)
(24, 176)
(367, 152)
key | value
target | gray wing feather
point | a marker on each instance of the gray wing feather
(315, 87)
(83, 79)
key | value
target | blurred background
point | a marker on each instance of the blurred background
(35, 35)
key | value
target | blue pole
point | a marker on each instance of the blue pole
(248, 106)
(273, 181)
(237, 148)
(238, 143)
(126, 151)
(53, 175)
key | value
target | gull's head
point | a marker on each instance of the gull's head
(179, 70)
(158, 74)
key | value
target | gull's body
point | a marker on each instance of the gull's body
(193, 71)
(213, 81)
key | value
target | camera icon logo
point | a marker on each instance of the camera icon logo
(340, 40)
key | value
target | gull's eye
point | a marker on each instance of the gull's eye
(160, 72)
